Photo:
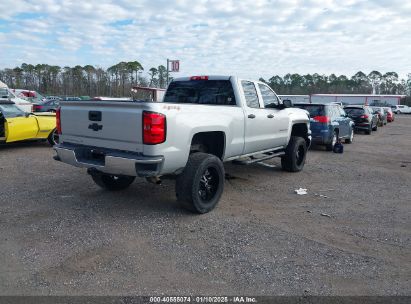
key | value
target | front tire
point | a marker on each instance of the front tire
(200, 186)
(295, 154)
(112, 182)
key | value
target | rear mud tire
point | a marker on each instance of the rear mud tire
(112, 182)
(200, 186)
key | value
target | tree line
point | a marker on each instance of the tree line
(87, 80)
(118, 80)
(360, 83)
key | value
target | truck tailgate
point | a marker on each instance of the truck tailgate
(115, 125)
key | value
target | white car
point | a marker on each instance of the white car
(23, 104)
(399, 109)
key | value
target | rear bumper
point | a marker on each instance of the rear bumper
(321, 137)
(362, 126)
(109, 161)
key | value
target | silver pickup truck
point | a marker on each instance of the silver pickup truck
(202, 122)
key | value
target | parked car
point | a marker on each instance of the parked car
(8, 95)
(70, 98)
(16, 125)
(401, 109)
(102, 98)
(46, 106)
(382, 115)
(54, 98)
(202, 122)
(31, 96)
(328, 123)
(390, 114)
(363, 117)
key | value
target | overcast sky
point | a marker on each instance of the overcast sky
(249, 38)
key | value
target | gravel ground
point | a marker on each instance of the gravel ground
(62, 235)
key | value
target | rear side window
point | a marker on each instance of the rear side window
(212, 92)
(354, 111)
(250, 93)
(314, 110)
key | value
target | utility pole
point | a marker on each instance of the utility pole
(167, 71)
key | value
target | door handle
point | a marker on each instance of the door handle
(251, 116)
(270, 116)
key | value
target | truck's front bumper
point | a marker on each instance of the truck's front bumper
(109, 161)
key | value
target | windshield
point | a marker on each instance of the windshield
(314, 110)
(10, 110)
(354, 111)
(213, 92)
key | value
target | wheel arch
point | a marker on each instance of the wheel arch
(300, 129)
(211, 142)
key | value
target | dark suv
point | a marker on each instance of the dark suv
(364, 118)
(328, 123)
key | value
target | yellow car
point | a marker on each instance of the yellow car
(16, 125)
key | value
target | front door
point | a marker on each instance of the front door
(257, 125)
(21, 128)
(278, 119)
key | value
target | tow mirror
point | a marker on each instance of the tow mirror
(287, 103)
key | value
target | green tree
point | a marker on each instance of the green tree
(152, 72)
(162, 76)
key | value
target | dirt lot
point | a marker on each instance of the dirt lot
(61, 234)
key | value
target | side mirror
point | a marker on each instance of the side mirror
(287, 103)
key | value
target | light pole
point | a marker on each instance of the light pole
(168, 61)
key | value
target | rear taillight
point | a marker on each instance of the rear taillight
(154, 128)
(322, 119)
(199, 78)
(364, 116)
(58, 121)
(37, 107)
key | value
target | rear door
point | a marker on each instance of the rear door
(115, 125)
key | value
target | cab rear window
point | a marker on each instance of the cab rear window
(211, 92)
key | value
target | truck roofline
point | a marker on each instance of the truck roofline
(210, 77)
